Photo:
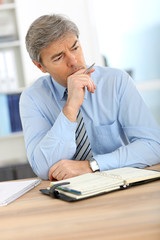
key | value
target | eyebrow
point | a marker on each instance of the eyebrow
(59, 54)
(74, 44)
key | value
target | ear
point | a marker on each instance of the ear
(40, 66)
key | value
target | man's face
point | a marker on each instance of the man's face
(62, 58)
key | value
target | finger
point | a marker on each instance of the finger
(52, 170)
(91, 78)
(91, 71)
(90, 85)
(58, 176)
(50, 174)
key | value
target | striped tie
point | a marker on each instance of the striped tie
(83, 150)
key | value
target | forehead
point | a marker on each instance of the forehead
(67, 40)
(59, 46)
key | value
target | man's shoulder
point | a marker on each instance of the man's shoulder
(42, 83)
(110, 75)
(109, 71)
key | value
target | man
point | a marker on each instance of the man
(120, 130)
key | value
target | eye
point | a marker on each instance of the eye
(75, 48)
(57, 58)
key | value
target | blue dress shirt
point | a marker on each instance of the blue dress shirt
(120, 128)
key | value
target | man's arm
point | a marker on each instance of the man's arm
(138, 126)
(47, 144)
(76, 90)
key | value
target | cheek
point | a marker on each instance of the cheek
(59, 74)
(55, 70)
(81, 57)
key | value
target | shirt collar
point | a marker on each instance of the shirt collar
(59, 88)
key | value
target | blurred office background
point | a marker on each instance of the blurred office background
(118, 33)
(128, 36)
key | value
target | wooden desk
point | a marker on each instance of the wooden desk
(123, 215)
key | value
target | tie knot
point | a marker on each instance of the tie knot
(65, 95)
(66, 91)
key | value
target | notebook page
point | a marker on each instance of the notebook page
(88, 183)
(85, 195)
(132, 174)
(9, 191)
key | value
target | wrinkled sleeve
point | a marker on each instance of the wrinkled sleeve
(140, 129)
(46, 143)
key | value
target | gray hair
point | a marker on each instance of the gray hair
(47, 29)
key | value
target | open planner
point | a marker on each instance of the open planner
(93, 184)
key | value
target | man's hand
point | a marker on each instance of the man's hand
(68, 168)
(76, 84)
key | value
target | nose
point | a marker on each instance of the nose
(71, 59)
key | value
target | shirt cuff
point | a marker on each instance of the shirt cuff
(106, 161)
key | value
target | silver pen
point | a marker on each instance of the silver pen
(89, 68)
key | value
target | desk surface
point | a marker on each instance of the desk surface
(130, 214)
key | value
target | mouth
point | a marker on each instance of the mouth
(76, 69)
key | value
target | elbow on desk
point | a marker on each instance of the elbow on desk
(41, 172)
(39, 167)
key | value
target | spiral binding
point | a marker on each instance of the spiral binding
(109, 175)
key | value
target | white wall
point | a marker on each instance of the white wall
(129, 35)
(78, 11)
